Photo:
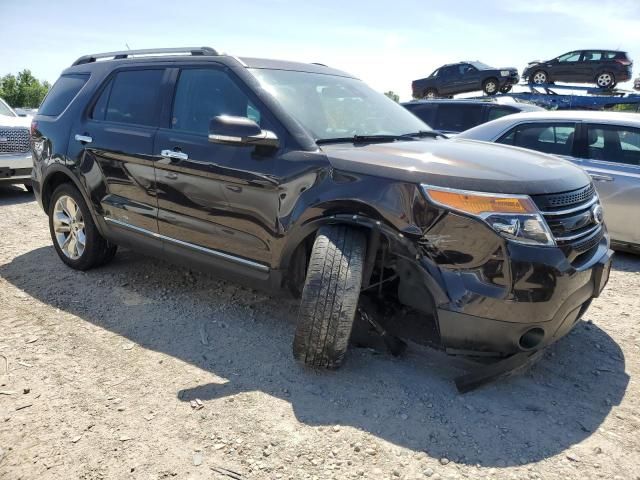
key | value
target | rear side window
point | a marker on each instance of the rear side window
(132, 97)
(556, 139)
(497, 112)
(590, 56)
(425, 112)
(614, 144)
(457, 118)
(61, 94)
(202, 94)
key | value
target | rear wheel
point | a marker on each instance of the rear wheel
(606, 80)
(506, 89)
(490, 86)
(430, 94)
(539, 77)
(75, 236)
(330, 297)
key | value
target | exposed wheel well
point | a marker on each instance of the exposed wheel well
(53, 181)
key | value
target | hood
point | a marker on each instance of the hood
(460, 163)
(6, 121)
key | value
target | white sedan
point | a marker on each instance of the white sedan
(605, 144)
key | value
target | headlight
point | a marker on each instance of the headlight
(505, 73)
(514, 217)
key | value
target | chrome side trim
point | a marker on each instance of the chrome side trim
(579, 235)
(215, 253)
(593, 200)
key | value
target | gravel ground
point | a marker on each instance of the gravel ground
(145, 370)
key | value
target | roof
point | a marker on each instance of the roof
(627, 118)
(476, 101)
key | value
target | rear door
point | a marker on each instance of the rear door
(592, 62)
(214, 198)
(611, 155)
(116, 135)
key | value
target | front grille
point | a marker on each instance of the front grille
(571, 219)
(14, 140)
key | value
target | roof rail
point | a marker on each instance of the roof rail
(208, 51)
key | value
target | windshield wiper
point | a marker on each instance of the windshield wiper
(365, 139)
(426, 133)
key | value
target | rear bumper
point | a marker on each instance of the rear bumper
(543, 304)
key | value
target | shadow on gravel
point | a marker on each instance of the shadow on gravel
(245, 337)
(14, 195)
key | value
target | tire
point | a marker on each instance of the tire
(539, 77)
(70, 221)
(330, 297)
(490, 86)
(506, 89)
(430, 93)
(606, 80)
(28, 187)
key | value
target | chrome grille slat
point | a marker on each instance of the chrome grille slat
(14, 140)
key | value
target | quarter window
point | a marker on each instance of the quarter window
(556, 139)
(61, 94)
(614, 144)
(131, 97)
(202, 94)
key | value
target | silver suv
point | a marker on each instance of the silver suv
(15, 148)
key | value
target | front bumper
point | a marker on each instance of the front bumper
(547, 297)
(15, 168)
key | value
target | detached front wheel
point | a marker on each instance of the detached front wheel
(330, 297)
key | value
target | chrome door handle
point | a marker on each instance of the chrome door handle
(171, 175)
(174, 154)
(83, 138)
(601, 178)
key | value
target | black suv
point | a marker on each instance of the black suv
(465, 77)
(605, 68)
(300, 178)
(455, 116)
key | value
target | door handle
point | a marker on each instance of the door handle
(601, 178)
(83, 138)
(234, 188)
(171, 175)
(174, 154)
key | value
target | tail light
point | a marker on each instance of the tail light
(34, 127)
(623, 61)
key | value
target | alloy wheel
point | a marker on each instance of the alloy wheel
(490, 87)
(68, 225)
(604, 80)
(540, 77)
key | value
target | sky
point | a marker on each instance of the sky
(386, 44)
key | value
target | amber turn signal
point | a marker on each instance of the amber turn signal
(477, 203)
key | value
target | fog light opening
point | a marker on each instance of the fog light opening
(531, 338)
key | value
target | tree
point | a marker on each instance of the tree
(23, 90)
(392, 95)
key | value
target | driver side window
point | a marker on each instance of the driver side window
(202, 94)
(570, 57)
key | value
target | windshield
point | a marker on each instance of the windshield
(329, 106)
(5, 109)
(481, 66)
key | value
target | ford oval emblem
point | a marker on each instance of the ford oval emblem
(598, 214)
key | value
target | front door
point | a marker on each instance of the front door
(217, 199)
(116, 137)
(612, 158)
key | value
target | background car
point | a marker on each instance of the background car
(465, 77)
(605, 144)
(15, 147)
(25, 112)
(455, 116)
(605, 68)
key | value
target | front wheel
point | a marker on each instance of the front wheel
(490, 86)
(75, 237)
(330, 297)
(539, 78)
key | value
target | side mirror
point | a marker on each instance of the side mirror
(231, 130)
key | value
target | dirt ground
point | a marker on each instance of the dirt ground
(100, 372)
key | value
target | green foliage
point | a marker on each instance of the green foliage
(626, 107)
(392, 95)
(23, 90)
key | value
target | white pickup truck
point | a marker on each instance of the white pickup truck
(15, 147)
